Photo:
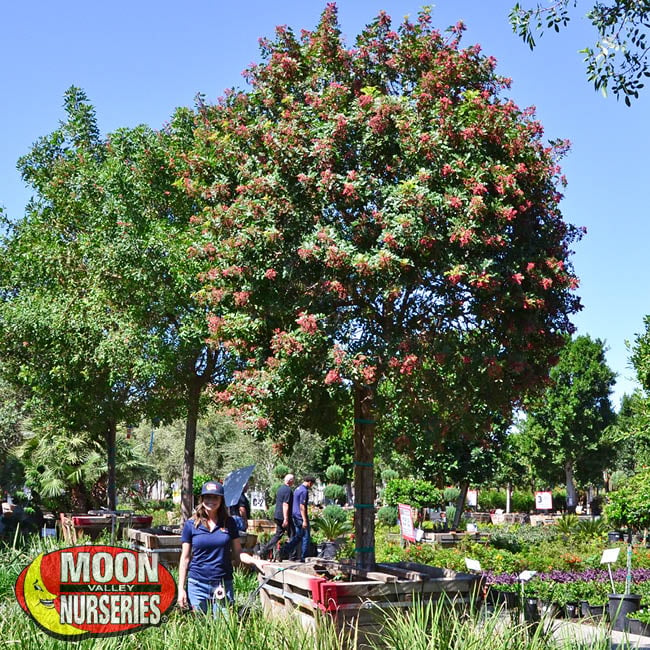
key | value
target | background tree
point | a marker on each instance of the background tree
(384, 231)
(566, 427)
(98, 321)
(631, 434)
(619, 58)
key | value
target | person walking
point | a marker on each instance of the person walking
(281, 515)
(301, 517)
(210, 549)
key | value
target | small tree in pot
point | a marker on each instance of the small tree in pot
(629, 507)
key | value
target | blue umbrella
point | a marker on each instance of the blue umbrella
(234, 483)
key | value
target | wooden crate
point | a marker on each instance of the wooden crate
(74, 526)
(77, 525)
(164, 543)
(364, 599)
(260, 526)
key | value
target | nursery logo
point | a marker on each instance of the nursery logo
(95, 591)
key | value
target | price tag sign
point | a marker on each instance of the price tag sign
(472, 565)
(610, 555)
(544, 500)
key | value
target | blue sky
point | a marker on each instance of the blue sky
(138, 60)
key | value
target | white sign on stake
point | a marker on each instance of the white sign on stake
(472, 565)
(525, 576)
(610, 555)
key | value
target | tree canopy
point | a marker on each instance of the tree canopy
(98, 322)
(618, 59)
(383, 230)
(566, 426)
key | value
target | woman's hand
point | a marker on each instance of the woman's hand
(246, 558)
(181, 601)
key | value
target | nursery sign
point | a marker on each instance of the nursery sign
(544, 500)
(95, 591)
(406, 522)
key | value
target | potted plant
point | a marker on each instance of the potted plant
(629, 508)
(333, 525)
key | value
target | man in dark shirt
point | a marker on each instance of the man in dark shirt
(281, 516)
(301, 516)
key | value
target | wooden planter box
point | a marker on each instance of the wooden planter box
(452, 538)
(165, 543)
(361, 600)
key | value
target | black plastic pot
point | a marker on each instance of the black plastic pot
(620, 605)
(596, 612)
(572, 610)
(548, 609)
(507, 599)
(636, 627)
(531, 611)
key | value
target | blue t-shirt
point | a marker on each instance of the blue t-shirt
(301, 495)
(211, 550)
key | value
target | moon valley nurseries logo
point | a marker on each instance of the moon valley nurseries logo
(95, 591)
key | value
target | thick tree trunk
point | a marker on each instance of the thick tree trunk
(111, 483)
(460, 504)
(364, 476)
(187, 482)
(571, 498)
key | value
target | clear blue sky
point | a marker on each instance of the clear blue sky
(140, 59)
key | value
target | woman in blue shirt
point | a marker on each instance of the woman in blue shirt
(210, 548)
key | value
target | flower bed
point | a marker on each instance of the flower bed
(571, 587)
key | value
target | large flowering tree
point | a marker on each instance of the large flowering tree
(380, 226)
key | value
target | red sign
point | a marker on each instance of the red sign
(406, 522)
(95, 591)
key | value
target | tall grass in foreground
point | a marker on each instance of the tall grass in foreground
(252, 632)
(425, 627)
(439, 626)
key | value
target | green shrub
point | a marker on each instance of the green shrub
(492, 500)
(273, 490)
(629, 506)
(335, 474)
(451, 494)
(387, 515)
(388, 475)
(335, 512)
(197, 483)
(414, 492)
(522, 501)
(280, 471)
(335, 493)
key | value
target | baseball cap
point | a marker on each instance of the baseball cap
(212, 487)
